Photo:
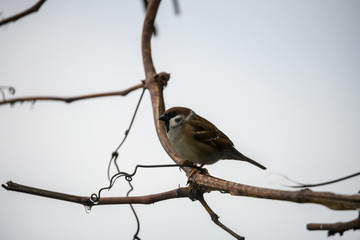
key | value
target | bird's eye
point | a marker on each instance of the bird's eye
(177, 120)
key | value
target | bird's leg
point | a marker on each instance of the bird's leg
(195, 170)
(204, 170)
(192, 172)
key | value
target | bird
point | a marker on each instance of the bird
(197, 140)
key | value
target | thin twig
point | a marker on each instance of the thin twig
(334, 228)
(128, 130)
(134, 212)
(115, 154)
(128, 176)
(326, 183)
(22, 14)
(85, 200)
(72, 99)
(215, 219)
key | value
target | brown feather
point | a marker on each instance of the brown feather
(206, 132)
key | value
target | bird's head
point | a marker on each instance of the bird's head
(176, 116)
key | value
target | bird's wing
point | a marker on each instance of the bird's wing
(206, 132)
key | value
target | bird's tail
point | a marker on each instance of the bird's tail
(245, 158)
(235, 154)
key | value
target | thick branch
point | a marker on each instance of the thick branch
(148, 30)
(156, 82)
(330, 200)
(15, 17)
(147, 199)
(334, 228)
(72, 99)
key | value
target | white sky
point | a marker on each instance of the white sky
(280, 78)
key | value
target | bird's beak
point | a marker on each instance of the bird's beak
(166, 121)
(163, 118)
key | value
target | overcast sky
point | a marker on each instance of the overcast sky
(280, 78)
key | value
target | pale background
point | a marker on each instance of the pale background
(280, 78)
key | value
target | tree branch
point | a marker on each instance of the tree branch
(22, 14)
(215, 219)
(333, 201)
(330, 200)
(148, 30)
(146, 199)
(156, 82)
(334, 228)
(72, 99)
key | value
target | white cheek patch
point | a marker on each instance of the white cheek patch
(179, 119)
(174, 122)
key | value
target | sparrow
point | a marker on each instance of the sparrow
(197, 140)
